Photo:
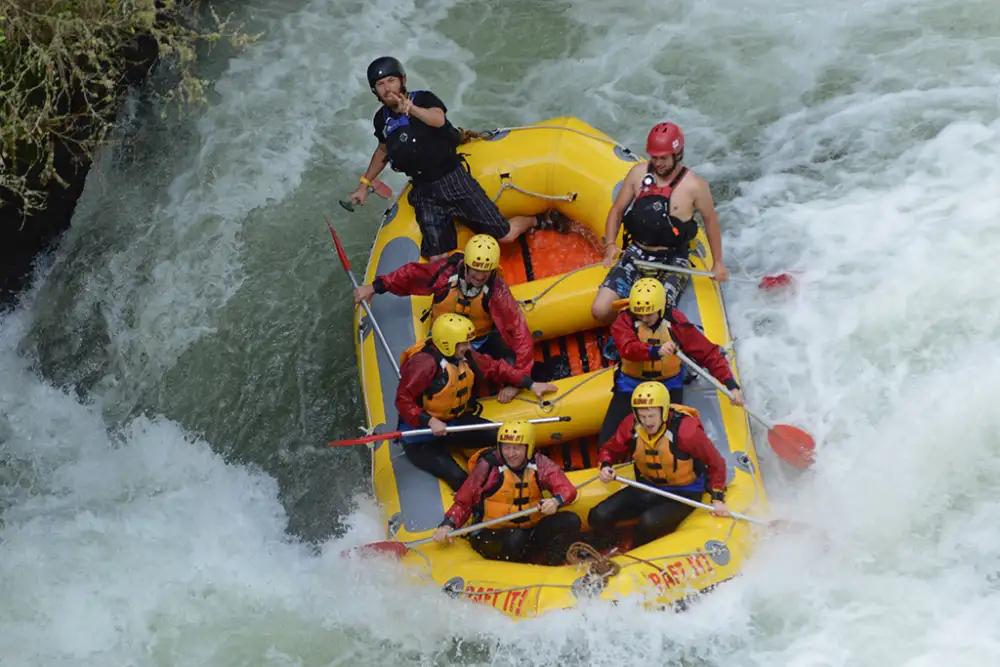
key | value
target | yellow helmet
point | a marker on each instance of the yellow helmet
(482, 253)
(449, 330)
(647, 296)
(651, 395)
(519, 432)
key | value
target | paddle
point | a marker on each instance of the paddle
(347, 267)
(426, 431)
(687, 501)
(774, 524)
(792, 444)
(399, 549)
(377, 186)
(765, 282)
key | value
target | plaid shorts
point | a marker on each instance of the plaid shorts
(625, 272)
(455, 195)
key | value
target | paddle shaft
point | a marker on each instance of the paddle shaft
(481, 427)
(680, 269)
(718, 385)
(371, 316)
(450, 429)
(375, 326)
(686, 501)
(477, 526)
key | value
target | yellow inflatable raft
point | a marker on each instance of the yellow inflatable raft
(562, 163)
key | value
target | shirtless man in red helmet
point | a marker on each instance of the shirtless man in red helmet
(660, 225)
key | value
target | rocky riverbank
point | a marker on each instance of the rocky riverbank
(24, 239)
(65, 70)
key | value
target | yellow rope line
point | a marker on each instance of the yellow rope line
(527, 305)
(508, 185)
(551, 403)
(492, 133)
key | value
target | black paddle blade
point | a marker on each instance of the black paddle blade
(348, 206)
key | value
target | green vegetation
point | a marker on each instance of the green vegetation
(63, 64)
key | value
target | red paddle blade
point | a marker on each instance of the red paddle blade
(340, 248)
(792, 444)
(381, 189)
(357, 441)
(366, 438)
(397, 549)
(774, 282)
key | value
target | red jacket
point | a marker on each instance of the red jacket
(691, 439)
(686, 335)
(415, 278)
(420, 369)
(550, 477)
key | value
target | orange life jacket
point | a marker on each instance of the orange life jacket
(451, 300)
(514, 492)
(657, 457)
(474, 459)
(659, 369)
(449, 394)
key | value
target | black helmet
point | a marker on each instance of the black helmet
(383, 67)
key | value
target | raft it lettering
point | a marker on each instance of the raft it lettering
(681, 570)
(510, 601)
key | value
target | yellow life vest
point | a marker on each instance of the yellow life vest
(515, 492)
(656, 457)
(449, 394)
(659, 369)
(453, 301)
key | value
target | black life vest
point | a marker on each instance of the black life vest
(649, 221)
(420, 151)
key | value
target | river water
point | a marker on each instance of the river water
(167, 386)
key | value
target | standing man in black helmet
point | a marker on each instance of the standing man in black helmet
(416, 138)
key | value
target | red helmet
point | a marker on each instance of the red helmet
(665, 139)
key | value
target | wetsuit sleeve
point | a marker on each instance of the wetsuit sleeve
(628, 343)
(618, 448)
(702, 351)
(415, 376)
(499, 371)
(512, 327)
(692, 439)
(554, 480)
(428, 100)
(468, 496)
(412, 278)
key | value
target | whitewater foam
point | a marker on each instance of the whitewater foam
(856, 145)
